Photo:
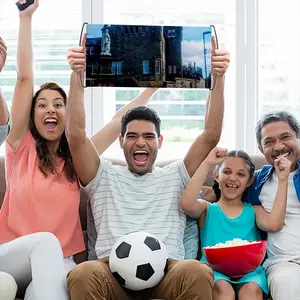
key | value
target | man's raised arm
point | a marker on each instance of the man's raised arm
(214, 113)
(85, 152)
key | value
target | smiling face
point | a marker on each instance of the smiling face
(278, 138)
(140, 145)
(49, 115)
(233, 177)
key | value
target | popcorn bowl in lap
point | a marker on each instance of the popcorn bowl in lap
(236, 258)
(138, 260)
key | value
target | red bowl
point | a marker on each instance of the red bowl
(236, 261)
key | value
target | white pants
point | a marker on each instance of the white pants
(284, 281)
(36, 263)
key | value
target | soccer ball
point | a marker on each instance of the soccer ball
(138, 261)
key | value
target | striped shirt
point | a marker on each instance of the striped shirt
(123, 202)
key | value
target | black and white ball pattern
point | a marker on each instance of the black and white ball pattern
(138, 260)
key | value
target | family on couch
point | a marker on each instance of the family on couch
(49, 159)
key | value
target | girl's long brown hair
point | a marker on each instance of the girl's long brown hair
(46, 159)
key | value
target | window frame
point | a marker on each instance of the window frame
(246, 74)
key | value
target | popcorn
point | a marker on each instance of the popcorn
(234, 242)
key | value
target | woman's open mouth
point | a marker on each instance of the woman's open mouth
(50, 124)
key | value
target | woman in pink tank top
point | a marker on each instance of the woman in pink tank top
(30, 250)
(39, 218)
(40, 211)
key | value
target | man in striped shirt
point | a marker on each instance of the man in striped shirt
(139, 196)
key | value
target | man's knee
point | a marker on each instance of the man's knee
(8, 287)
(284, 283)
(82, 271)
(82, 274)
(195, 270)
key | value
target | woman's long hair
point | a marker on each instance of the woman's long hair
(46, 159)
(235, 153)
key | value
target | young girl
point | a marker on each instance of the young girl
(230, 218)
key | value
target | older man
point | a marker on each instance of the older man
(277, 133)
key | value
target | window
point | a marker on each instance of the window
(117, 67)
(145, 67)
(114, 67)
(279, 71)
(91, 50)
(157, 66)
(182, 111)
(262, 74)
(95, 68)
(51, 40)
(119, 30)
(171, 33)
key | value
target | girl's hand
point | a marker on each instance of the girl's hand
(216, 156)
(282, 167)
